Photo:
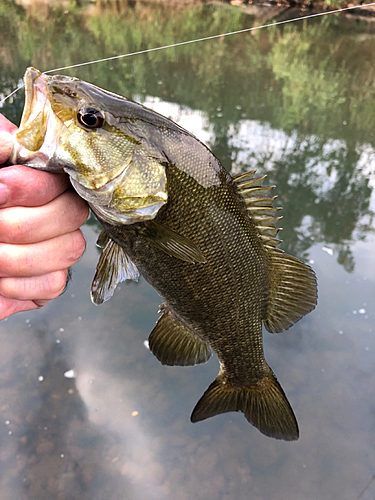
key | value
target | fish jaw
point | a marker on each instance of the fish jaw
(36, 139)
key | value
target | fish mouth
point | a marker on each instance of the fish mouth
(38, 135)
(33, 127)
(33, 90)
(36, 138)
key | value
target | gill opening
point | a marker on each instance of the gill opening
(196, 40)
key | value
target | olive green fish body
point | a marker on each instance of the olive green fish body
(204, 240)
(222, 300)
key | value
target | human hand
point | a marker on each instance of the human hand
(40, 216)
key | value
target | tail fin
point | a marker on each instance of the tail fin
(264, 405)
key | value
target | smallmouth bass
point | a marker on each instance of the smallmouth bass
(205, 241)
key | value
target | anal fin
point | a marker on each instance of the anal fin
(173, 344)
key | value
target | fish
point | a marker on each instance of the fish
(205, 240)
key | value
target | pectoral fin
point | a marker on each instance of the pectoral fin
(102, 239)
(173, 243)
(173, 344)
(113, 267)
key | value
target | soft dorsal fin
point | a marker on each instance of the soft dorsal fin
(173, 344)
(293, 290)
(113, 267)
(293, 284)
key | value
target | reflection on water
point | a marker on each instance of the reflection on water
(278, 101)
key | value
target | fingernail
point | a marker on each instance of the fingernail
(3, 194)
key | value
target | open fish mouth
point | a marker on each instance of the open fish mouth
(36, 137)
(37, 106)
(36, 92)
(33, 127)
(39, 131)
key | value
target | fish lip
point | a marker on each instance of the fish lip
(35, 102)
(35, 88)
(35, 144)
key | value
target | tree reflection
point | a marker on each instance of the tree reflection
(284, 78)
(325, 197)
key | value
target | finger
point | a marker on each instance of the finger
(38, 288)
(11, 306)
(7, 139)
(20, 225)
(36, 259)
(27, 187)
(6, 125)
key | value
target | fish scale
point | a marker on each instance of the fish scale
(216, 299)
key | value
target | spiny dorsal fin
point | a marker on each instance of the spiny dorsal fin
(293, 285)
(173, 344)
(293, 291)
(113, 267)
(259, 205)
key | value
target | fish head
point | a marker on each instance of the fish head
(72, 126)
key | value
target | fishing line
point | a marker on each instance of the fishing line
(13, 92)
(179, 44)
(212, 37)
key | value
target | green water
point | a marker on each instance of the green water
(297, 103)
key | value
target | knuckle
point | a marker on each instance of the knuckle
(77, 247)
(81, 208)
(12, 260)
(13, 226)
(56, 283)
(7, 287)
(46, 287)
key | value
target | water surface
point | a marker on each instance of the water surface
(86, 412)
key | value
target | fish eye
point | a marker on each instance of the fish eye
(90, 117)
